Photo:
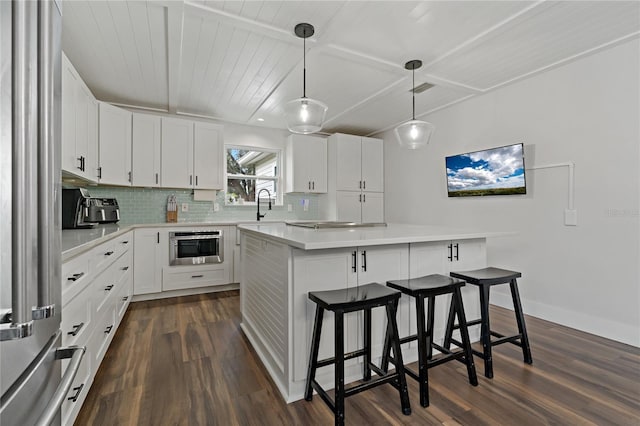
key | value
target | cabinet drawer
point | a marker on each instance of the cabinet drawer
(103, 333)
(75, 276)
(122, 269)
(102, 256)
(123, 244)
(174, 280)
(125, 290)
(104, 288)
(79, 389)
(76, 322)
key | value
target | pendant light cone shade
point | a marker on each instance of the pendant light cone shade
(414, 134)
(304, 115)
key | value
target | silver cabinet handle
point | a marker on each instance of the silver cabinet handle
(364, 198)
(75, 353)
(156, 178)
(129, 177)
(196, 180)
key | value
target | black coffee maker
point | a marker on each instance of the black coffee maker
(75, 208)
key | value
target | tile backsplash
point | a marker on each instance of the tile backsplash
(149, 205)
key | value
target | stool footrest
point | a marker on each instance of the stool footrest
(332, 360)
(324, 395)
(388, 378)
(507, 339)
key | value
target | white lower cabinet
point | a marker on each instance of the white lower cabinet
(147, 255)
(338, 269)
(94, 287)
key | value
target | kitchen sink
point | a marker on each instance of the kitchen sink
(334, 225)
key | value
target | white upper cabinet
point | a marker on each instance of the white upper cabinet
(177, 153)
(115, 145)
(306, 164)
(348, 161)
(79, 125)
(208, 154)
(372, 165)
(146, 150)
(355, 179)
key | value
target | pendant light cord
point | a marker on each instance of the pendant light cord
(413, 91)
(304, 65)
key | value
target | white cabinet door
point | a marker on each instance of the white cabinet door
(372, 165)
(146, 150)
(177, 153)
(306, 164)
(348, 206)
(372, 207)
(348, 162)
(82, 125)
(379, 264)
(93, 147)
(319, 270)
(208, 155)
(70, 162)
(147, 270)
(115, 145)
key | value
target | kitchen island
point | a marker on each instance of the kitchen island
(282, 263)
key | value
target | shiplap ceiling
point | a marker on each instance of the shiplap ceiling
(239, 61)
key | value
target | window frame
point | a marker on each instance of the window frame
(278, 199)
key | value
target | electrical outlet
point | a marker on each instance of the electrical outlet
(305, 204)
(216, 207)
(289, 208)
(185, 207)
(571, 217)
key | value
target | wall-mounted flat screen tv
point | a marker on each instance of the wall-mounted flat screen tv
(495, 171)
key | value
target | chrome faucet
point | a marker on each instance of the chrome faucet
(258, 215)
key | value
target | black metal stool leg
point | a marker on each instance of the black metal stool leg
(313, 357)
(464, 333)
(339, 369)
(367, 345)
(522, 329)
(392, 327)
(423, 341)
(386, 352)
(485, 331)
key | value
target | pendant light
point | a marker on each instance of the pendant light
(414, 134)
(304, 115)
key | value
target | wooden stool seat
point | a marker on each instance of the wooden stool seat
(429, 287)
(362, 298)
(485, 278)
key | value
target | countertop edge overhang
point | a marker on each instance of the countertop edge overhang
(78, 241)
(318, 239)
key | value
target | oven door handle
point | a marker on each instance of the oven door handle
(196, 237)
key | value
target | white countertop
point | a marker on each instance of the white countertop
(314, 239)
(78, 241)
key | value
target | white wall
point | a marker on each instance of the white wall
(586, 112)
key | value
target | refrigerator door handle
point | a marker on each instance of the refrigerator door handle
(75, 353)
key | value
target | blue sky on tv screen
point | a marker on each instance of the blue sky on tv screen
(493, 168)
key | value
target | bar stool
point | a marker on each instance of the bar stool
(429, 287)
(485, 278)
(361, 298)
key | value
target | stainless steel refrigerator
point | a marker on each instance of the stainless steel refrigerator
(32, 385)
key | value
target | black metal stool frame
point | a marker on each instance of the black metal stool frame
(484, 285)
(396, 379)
(424, 337)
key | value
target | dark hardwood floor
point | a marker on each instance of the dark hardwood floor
(185, 361)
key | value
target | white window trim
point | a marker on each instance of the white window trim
(279, 196)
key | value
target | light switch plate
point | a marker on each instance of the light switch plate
(571, 217)
(305, 204)
(289, 208)
(216, 206)
(185, 207)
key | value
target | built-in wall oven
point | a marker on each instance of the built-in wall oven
(196, 247)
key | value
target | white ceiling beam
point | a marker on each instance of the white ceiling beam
(266, 30)
(175, 21)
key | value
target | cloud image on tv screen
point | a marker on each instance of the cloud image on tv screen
(496, 171)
